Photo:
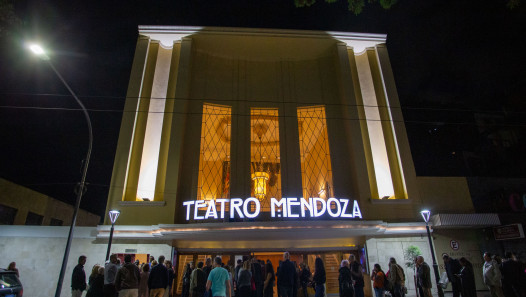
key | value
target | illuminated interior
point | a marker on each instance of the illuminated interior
(265, 167)
(214, 156)
(316, 172)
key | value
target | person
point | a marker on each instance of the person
(198, 281)
(319, 278)
(305, 276)
(151, 259)
(396, 278)
(128, 278)
(345, 280)
(110, 271)
(511, 276)
(236, 271)
(208, 266)
(467, 279)
(12, 267)
(258, 277)
(491, 276)
(96, 282)
(268, 285)
(218, 280)
(143, 283)
(356, 272)
(186, 280)
(158, 279)
(171, 277)
(453, 269)
(286, 276)
(78, 278)
(243, 280)
(424, 277)
(378, 277)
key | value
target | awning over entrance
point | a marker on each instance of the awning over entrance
(304, 235)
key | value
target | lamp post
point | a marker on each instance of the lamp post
(426, 214)
(82, 186)
(114, 214)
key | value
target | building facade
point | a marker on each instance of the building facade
(252, 142)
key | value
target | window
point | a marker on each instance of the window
(316, 172)
(34, 219)
(7, 215)
(265, 166)
(214, 157)
(56, 222)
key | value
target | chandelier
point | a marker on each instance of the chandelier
(260, 177)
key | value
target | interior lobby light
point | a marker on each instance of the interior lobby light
(260, 177)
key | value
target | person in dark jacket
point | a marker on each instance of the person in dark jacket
(424, 277)
(467, 279)
(171, 276)
(268, 284)
(453, 269)
(158, 279)
(345, 280)
(305, 277)
(198, 281)
(186, 280)
(96, 283)
(319, 277)
(357, 275)
(511, 276)
(286, 276)
(78, 278)
(258, 277)
(128, 278)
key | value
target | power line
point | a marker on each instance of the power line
(271, 101)
(279, 116)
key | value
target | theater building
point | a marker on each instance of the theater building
(252, 142)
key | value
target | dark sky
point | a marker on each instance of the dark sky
(454, 62)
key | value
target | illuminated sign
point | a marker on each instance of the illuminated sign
(284, 208)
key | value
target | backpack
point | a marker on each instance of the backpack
(387, 284)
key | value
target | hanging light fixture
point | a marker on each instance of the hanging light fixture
(260, 177)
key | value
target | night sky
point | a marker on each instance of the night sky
(455, 63)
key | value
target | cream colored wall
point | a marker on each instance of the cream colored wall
(26, 200)
(38, 253)
(445, 194)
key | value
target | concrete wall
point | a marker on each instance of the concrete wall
(38, 252)
(26, 200)
(379, 250)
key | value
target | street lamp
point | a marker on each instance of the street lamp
(114, 214)
(39, 51)
(426, 214)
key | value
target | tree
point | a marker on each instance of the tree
(410, 254)
(356, 6)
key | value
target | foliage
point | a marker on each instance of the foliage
(356, 6)
(410, 254)
(8, 17)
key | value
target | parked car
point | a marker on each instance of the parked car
(10, 285)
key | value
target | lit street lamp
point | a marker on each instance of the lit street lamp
(114, 214)
(426, 214)
(82, 186)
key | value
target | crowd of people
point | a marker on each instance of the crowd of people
(153, 279)
(257, 278)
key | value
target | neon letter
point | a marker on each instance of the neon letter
(292, 202)
(188, 204)
(306, 204)
(344, 209)
(275, 203)
(235, 204)
(315, 206)
(211, 210)
(222, 201)
(338, 207)
(199, 204)
(245, 207)
(356, 210)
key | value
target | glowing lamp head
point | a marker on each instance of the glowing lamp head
(114, 214)
(260, 179)
(425, 214)
(39, 51)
